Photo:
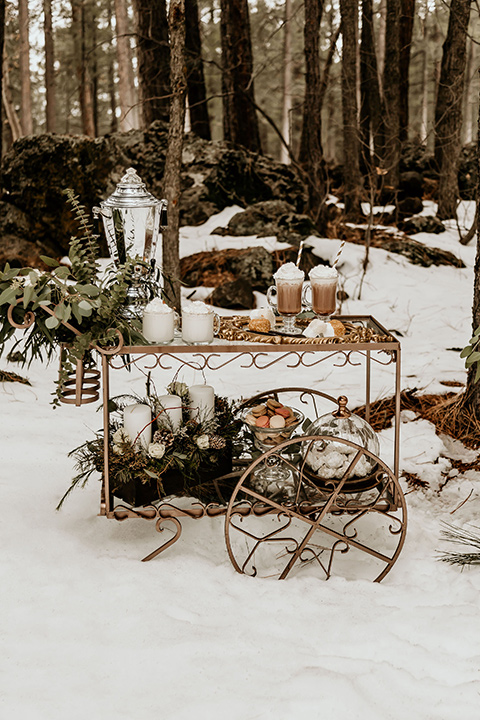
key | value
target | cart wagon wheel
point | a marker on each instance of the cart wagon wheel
(351, 527)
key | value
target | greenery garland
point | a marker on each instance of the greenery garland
(189, 459)
(72, 307)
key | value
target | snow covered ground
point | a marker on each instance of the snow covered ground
(89, 631)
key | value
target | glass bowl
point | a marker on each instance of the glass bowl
(265, 438)
(328, 460)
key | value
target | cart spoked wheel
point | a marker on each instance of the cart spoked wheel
(283, 519)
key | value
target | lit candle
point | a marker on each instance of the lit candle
(137, 419)
(171, 417)
(202, 402)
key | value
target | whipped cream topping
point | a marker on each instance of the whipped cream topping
(323, 272)
(157, 306)
(289, 271)
(197, 307)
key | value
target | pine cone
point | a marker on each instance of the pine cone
(217, 442)
(164, 436)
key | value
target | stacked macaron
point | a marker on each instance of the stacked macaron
(272, 414)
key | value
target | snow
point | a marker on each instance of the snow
(88, 630)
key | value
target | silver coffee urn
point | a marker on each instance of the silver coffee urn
(133, 219)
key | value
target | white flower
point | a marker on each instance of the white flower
(156, 450)
(117, 449)
(120, 436)
(178, 388)
(203, 442)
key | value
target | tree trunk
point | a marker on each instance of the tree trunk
(50, 98)
(8, 105)
(425, 68)
(130, 114)
(240, 123)
(83, 75)
(391, 94)
(448, 111)
(467, 99)
(371, 123)
(471, 397)
(406, 30)
(382, 31)
(111, 75)
(351, 145)
(24, 62)
(153, 54)
(311, 153)
(197, 94)
(173, 160)
(286, 81)
(2, 44)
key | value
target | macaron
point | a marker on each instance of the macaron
(277, 421)
(262, 421)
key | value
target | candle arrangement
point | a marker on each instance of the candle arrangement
(177, 442)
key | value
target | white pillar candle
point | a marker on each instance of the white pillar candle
(202, 402)
(137, 419)
(171, 417)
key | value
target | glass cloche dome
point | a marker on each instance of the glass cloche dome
(329, 459)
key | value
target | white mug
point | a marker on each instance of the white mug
(199, 326)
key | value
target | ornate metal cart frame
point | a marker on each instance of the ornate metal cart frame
(322, 524)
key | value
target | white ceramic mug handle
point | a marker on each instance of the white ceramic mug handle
(216, 323)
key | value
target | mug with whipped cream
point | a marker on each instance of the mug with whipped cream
(158, 323)
(286, 295)
(199, 323)
(322, 289)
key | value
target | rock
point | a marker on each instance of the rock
(411, 185)
(409, 206)
(20, 253)
(270, 217)
(255, 265)
(237, 294)
(37, 170)
(421, 223)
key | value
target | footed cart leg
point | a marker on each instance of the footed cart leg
(168, 543)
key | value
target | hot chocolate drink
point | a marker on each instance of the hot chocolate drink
(324, 297)
(288, 291)
(289, 297)
(323, 283)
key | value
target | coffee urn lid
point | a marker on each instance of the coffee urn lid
(130, 192)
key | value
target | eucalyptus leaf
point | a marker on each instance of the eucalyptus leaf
(91, 290)
(8, 296)
(62, 272)
(28, 295)
(51, 262)
(52, 322)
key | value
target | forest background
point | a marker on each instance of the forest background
(343, 92)
(81, 66)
